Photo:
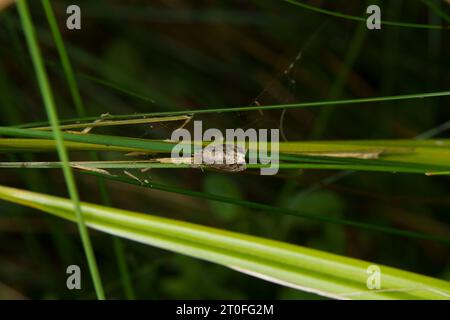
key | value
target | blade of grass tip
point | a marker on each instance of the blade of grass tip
(81, 110)
(362, 19)
(444, 173)
(47, 96)
(321, 103)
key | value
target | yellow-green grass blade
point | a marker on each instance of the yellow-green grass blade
(415, 156)
(294, 266)
(139, 144)
(116, 143)
(425, 152)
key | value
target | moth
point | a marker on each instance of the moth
(223, 156)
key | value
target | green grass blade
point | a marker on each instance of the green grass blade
(437, 10)
(413, 156)
(321, 103)
(41, 145)
(91, 167)
(119, 248)
(107, 123)
(151, 164)
(53, 118)
(81, 111)
(65, 61)
(272, 209)
(137, 144)
(362, 19)
(289, 265)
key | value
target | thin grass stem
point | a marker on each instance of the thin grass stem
(50, 107)
(362, 19)
(321, 103)
(81, 111)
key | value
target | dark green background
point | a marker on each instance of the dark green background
(179, 54)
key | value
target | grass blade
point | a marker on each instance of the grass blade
(137, 144)
(41, 145)
(289, 265)
(65, 61)
(272, 209)
(79, 106)
(53, 118)
(361, 19)
(106, 123)
(437, 10)
(321, 103)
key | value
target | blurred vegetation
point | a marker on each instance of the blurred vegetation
(142, 56)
